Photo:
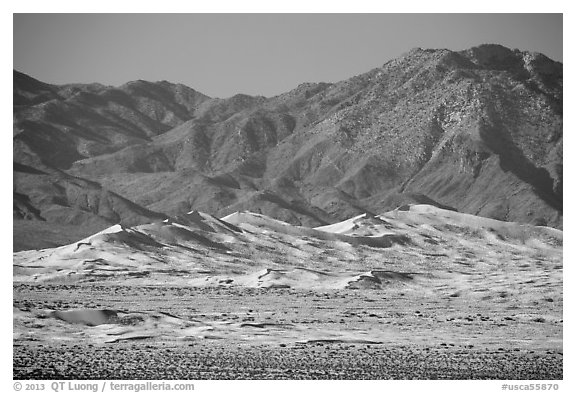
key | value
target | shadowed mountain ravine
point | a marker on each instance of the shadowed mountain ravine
(477, 131)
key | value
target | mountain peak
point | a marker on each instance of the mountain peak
(463, 130)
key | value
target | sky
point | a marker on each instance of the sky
(258, 54)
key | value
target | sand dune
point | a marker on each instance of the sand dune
(86, 316)
(419, 253)
(415, 245)
(417, 276)
(112, 326)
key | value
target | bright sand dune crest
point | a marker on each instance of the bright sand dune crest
(431, 246)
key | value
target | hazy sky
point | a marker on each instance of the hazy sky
(267, 54)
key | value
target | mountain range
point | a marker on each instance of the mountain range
(477, 131)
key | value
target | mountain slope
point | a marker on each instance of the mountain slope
(479, 131)
(58, 125)
(55, 126)
(57, 202)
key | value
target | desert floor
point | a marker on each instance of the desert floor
(162, 332)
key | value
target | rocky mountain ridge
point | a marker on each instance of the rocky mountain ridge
(478, 131)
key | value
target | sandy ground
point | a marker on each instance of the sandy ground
(313, 361)
(243, 333)
(418, 292)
